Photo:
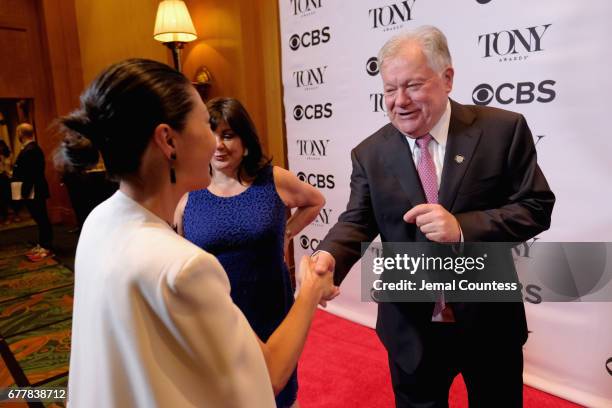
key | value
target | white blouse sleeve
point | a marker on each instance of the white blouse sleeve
(215, 334)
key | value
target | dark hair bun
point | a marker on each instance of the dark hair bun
(77, 151)
(119, 112)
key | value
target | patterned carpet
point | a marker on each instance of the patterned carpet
(35, 322)
(27, 222)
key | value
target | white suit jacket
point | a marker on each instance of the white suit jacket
(153, 321)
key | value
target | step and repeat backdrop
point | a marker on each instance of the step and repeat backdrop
(549, 60)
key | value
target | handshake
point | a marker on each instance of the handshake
(315, 278)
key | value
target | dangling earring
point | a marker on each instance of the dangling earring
(172, 172)
(246, 152)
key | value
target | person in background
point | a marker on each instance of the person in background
(30, 170)
(5, 184)
(87, 186)
(153, 321)
(241, 219)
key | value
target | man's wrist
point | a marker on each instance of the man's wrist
(319, 251)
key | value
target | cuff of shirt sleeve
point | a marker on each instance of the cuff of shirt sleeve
(318, 251)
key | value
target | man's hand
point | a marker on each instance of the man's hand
(324, 262)
(324, 265)
(435, 222)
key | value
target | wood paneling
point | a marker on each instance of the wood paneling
(44, 65)
(14, 13)
(15, 79)
(112, 30)
(272, 81)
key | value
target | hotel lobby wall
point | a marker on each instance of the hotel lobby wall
(57, 47)
(239, 43)
(39, 43)
(113, 30)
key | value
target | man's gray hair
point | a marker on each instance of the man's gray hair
(432, 42)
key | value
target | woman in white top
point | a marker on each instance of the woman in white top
(153, 321)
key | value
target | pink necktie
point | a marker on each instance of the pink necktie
(427, 170)
(427, 173)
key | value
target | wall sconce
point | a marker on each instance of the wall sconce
(202, 82)
(174, 28)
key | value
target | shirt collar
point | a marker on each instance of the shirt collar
(440, 130)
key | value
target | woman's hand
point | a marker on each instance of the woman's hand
(319, 287)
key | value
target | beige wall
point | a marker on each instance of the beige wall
(112, 30)
(69, 43)
(239, 42)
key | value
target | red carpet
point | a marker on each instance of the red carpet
(345, 365)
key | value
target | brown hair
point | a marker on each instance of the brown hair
(237, 118)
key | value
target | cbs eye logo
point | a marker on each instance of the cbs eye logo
(294, 42)
(483, 94)
(309, 243)
(372, 67)
(304, 242)
(298, 112)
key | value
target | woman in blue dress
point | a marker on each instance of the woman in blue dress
(241, 219)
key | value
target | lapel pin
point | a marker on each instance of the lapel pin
(459, 159)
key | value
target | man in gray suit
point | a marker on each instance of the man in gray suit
(442, 172)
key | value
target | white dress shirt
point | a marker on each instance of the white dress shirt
(437, 149)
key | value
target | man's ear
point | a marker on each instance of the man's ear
(447, 76)
(163, 137)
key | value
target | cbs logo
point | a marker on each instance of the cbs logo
(317, 111)
(309, 38)
(522, 92)
(318, 180)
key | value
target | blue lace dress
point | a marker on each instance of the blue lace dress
(246, 233)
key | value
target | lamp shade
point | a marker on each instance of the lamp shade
(173, 23)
